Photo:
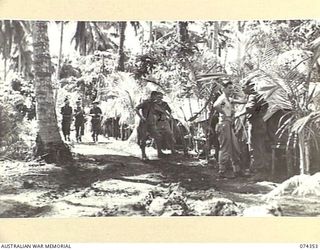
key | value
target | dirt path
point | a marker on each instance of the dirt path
(110, 180)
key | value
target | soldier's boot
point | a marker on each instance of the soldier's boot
(80, 139)
(160, 154)
(96, 138)
(173, 150)
(143, 152)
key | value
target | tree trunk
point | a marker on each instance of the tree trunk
(60, 50)
(59, 62)
(5, 69)
(49, 143)
(215, 38)
(308, 155)
(151, 39)
(20, 61)
(302, 154)
(122, 26)
(183, 31)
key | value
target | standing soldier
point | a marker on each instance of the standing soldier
(163, 111)
(147, 124)
(96, 115)
(66, 112)
(255, 109)
(79, 115)
(229, 151)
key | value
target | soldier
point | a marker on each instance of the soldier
(79, 115)
(96, 114)
(66, 112)
(229, 151)
(163, 111)
(147, 124)
(255, 109)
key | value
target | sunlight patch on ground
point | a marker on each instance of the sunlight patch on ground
(112, 147)
(30, 197)
(101, 194)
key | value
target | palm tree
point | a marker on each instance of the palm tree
(91, 36)
(122, 30)
(49, 143)
(14, 35)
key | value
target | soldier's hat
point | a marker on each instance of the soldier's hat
(95, 102)
(66, 99)
(78, 100)
(154, 93)
(226, 83)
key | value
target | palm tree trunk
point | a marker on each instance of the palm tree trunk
(60, 50)
(151, 39)
(307, 153)
(49, 143)
(302, 154)
(20, 61)
(215, 38)
(122, 26)
(183, 31)
(5, 69)
(59, 62)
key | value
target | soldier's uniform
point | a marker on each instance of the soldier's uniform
(163, 123)
(256, 108)
(66, 112)
(229, 151)
(95, 122)
(79, 115)
(147, 126)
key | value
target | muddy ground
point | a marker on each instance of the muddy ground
(109, 179)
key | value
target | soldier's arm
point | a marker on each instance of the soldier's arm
(249, 107)
(238, 101)
(218, 105)
(138, 110)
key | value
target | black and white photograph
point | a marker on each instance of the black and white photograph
(159, 118)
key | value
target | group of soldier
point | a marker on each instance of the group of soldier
(229, 151)
(155, 116)
(79, 116)
(155, 122)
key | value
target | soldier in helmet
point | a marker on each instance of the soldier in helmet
(163, 111)
(79, 115)
(96, 116)
(255, 109)
(66, 112)
(147, 125)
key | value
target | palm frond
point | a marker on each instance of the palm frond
(301, 123)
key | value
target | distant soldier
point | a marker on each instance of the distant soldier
(79, 115)
(66, 112)
(96, 116)
(163, 112)
(255, 109)
(147, 125)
